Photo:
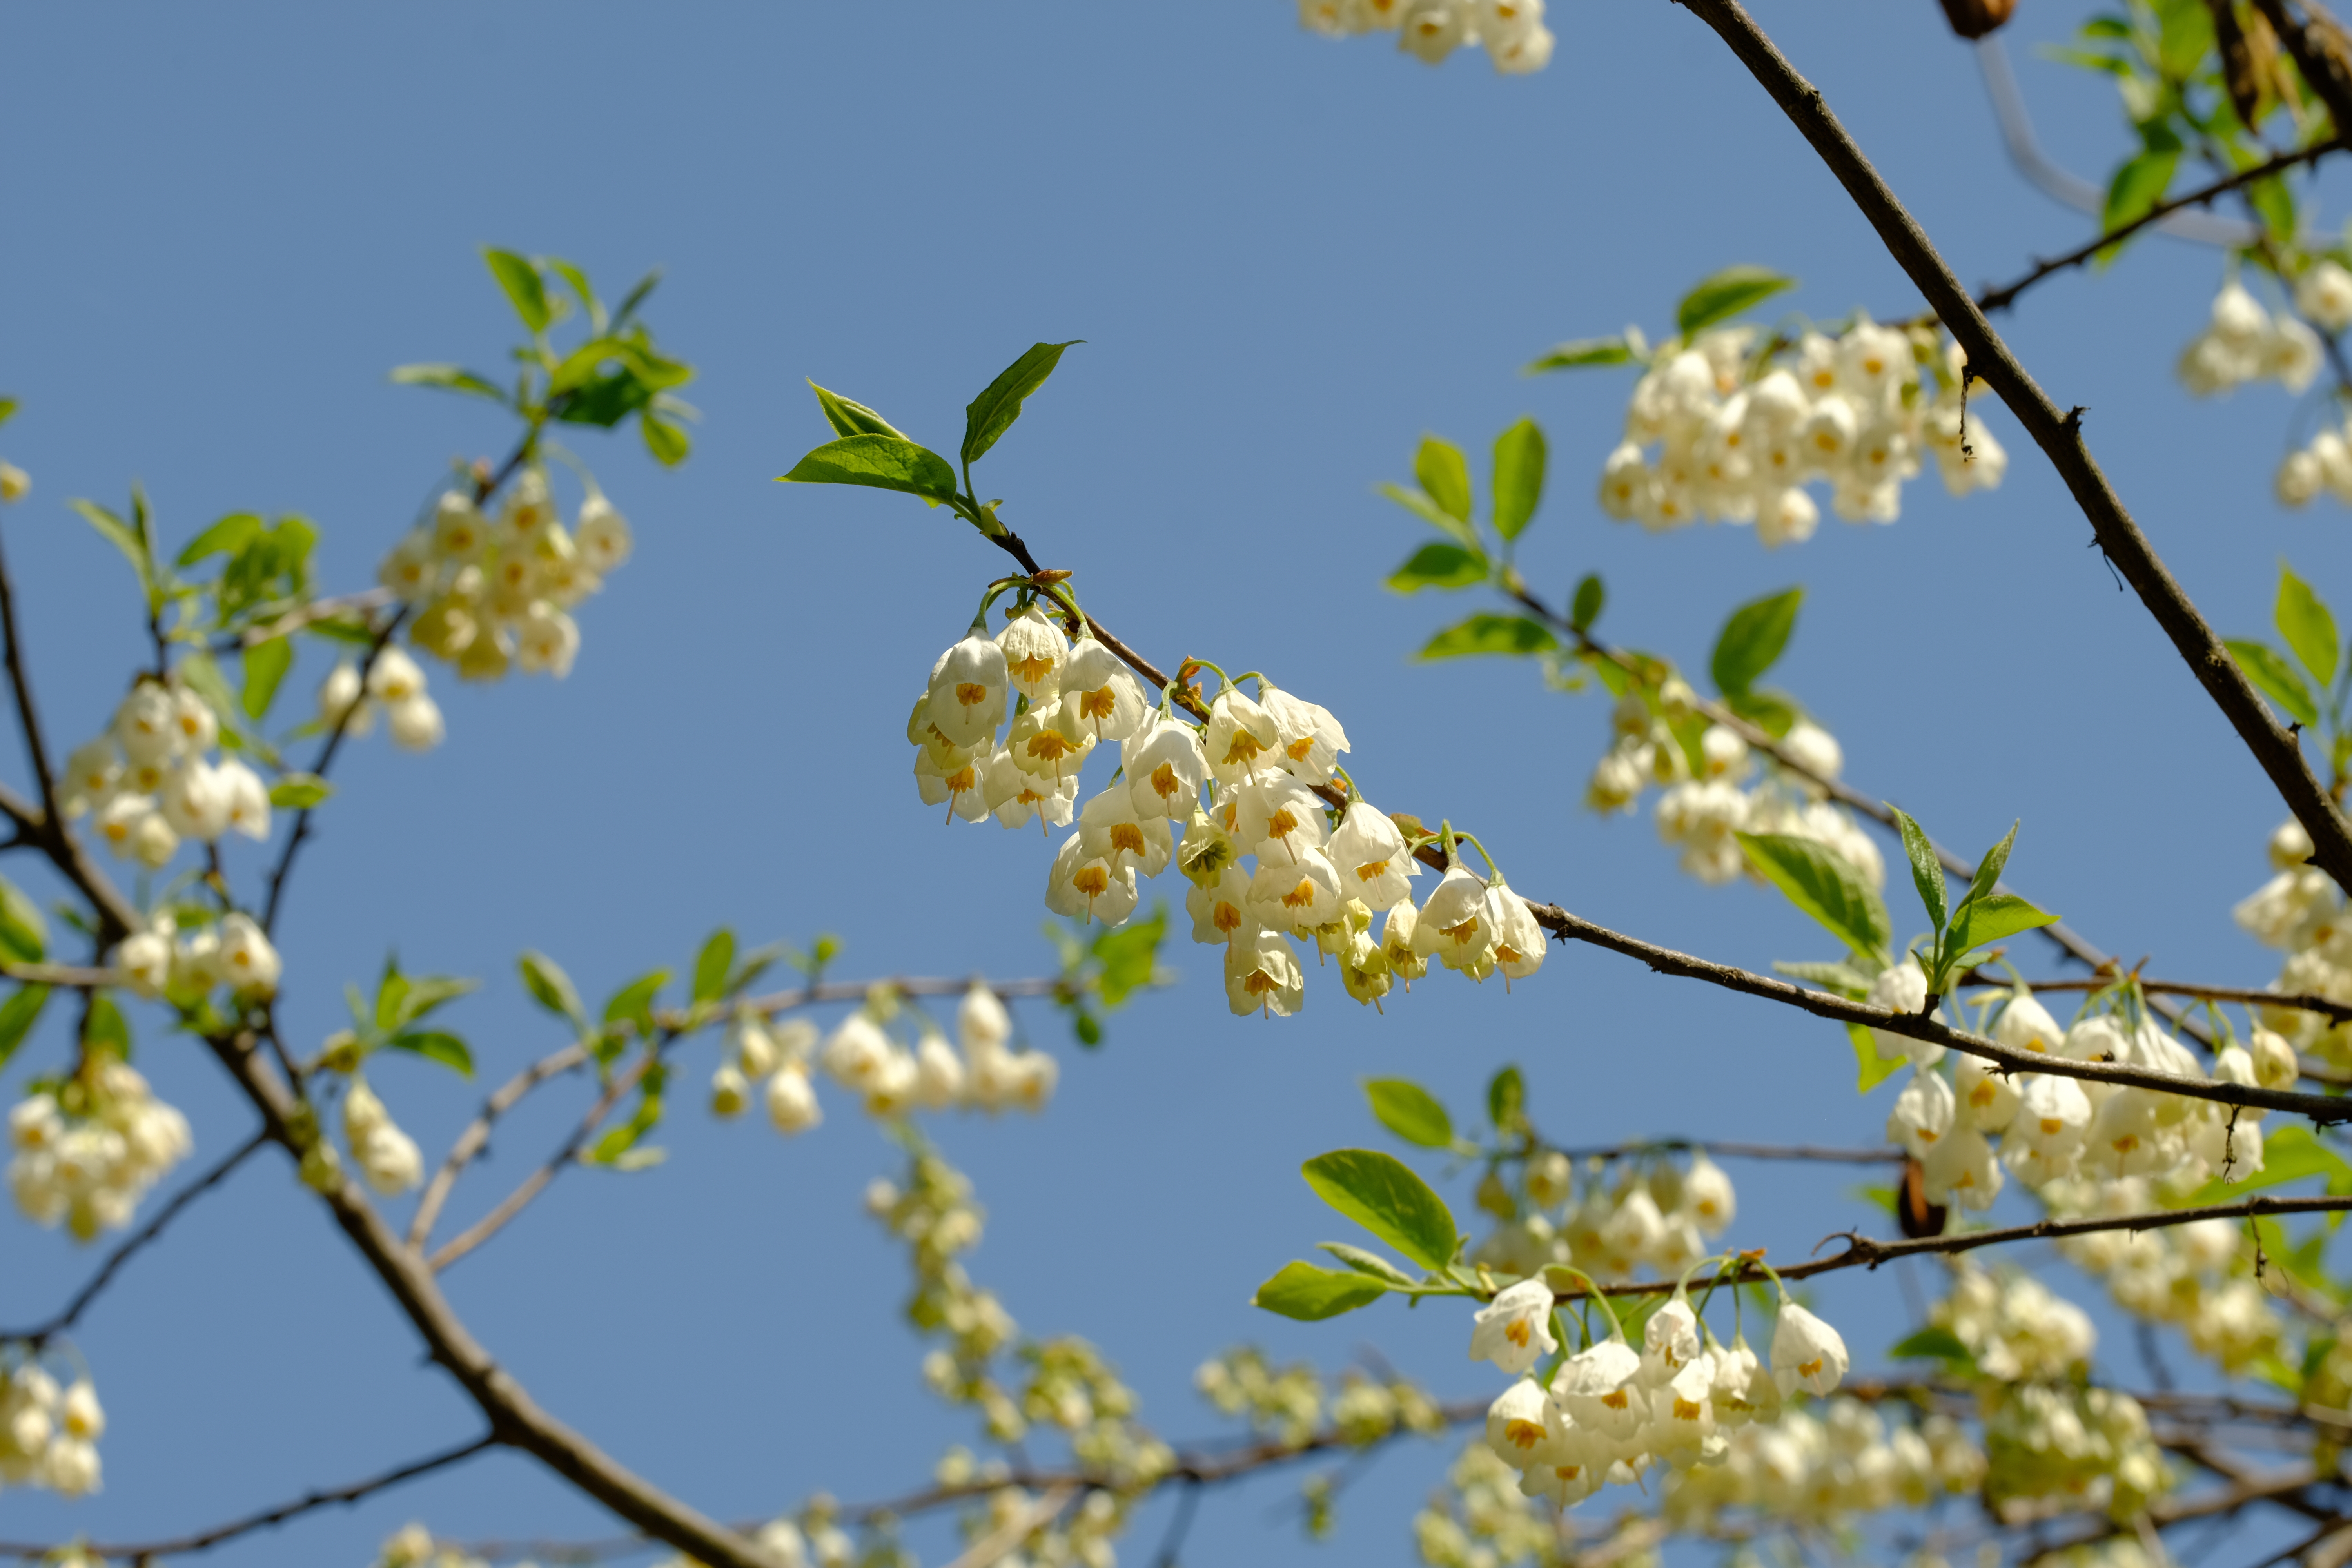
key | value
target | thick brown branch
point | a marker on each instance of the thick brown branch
(2001, 298)
(71, 1312)
(514, 1416)
(205, 1541)
(2057, 432)
(2317, 45)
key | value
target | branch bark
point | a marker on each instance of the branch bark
(2058, 432)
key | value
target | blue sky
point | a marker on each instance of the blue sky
(1288, 258)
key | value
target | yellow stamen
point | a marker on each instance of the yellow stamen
(1225, 918)
(1523, 1434)
(1128, 837)
(1096, 704)
(970, 693)
(1614, 1399)
(1686, 1409)
(1301, 896)
(1297, 751)
(1244, 750)
(1371, 871)
(1516, 1332)
(2052, 1126)
(1031, 671)
(1462, 934)
(1164, 782)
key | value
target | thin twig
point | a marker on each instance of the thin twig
(2058, 432)
(1796, 1151)
(28, 716)
(71, 1312)
(205, 1541)
(2301, 1001)
(63, 976)
(476, 1135)
(295, 840)
(364, 604)
(1000, 1542)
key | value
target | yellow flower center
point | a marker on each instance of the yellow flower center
(970, 693)
(1464, 935)
(1164, 782)
(1301, 896)
(1128, 837)
(1297, 751)
(1523, 1434)
(1516, 1332)
(1031, 671)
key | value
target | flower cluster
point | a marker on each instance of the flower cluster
(412, 1546)
(2053, 1128)
(48, 1434)
(492, 594)
(394, 684)
(890, 1079)
(1481, 1520)
(2014, 1329)
(1289, 1405)
(1610, 1413)
(2300, 912)
(2192, 1275)
(146, 784)
(184, 964)
(1271, 859)
(1704, 806)
(1822, 1468)
(2244, 342)
(1655, 1216)
(90, 1147)
(2086, 1448)
(1511, 31)
(1740, 427)
(387, 1157)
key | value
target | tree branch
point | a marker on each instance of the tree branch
(205, 1541)
(1793, 1151)
(71, 1313)
(294, 840)
(2059, 435)
(28, 716)
(514, 1417)
(476, 1136)
(2300, 1001)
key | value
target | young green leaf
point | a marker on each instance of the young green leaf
(633, 1003)
(229, 536)
(1507, 1099)
(1725, 294)
(525, 289)
(449, 378)
(1871, 1068)
(551, 987)
(104, 1028)
(1519, 458)
(123, 537)
(8, 406)
(204, 678)
(435, 1046)
(2309, 629)
(17, 1017)
(1934, 1344)
(1430, 512)
(667, 440)
(300, 792)
(266, 664)
(1988, 918)
(848, 418)
(2138, 186)
(1990, 865)
(1410, 1111)
(1581, 351)
(2276, 679)
(1381, 1193)
(1490, 634)
(1444, 477)
(24, 934)
(884, 462)
(992, 414)
(1585, 608)
(1129, 956)
(1927, 871)
(1439, 565)
(1825, 884)
(711, 965)
(1310, 1294)
(1770, 712)
(1752, 640)
(1370, 1264)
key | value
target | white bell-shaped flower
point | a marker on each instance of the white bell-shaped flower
(146, 726)
(1406, 962)
(247, 961)
(1295, 895)
(939, 1074)
(965, 700)
(1088, 887)
(1708, 1195)
(195, 800)
(1375, 867)
(1308, 736)
(1961, 1169)
(1903, 988)
(1454, 926)
(2025, 1025)
(1099, 694)
(1514, 1331)
(1263, 977)
(1221, 910)
(1807, 1353)
(1241, 739)
(1041, 747)
(415, 723)
(1019, 797)
(1519, 940)
(1033, 651)
(1165, 767)
(247, 796)
(1522, 1422)
(1986, 1098)
(1923, 1113)
(1597, 1391)
(792, 1100)
(1110, 830)
(982, 1021)
(854, 1055)
(730, 1091)
(1274, 817)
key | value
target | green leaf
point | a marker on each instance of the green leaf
(105, 1029)
(300, 792)
(17, 1017)
(1933, 1344)
(121, 535)
(1585, 608)
(2274, 677)
(435, 1046)
(266, 665)
(2274, 204)
(1490, 634)
(551, 987)
(1444, 477)
(1770, 712)
(712, 964)
(1428, 510)
(204, 678)
(449, 378)
(665, 439)
(1987, 875)
(849, 418)
(1440, 565)
(2309, 629)
(1370, 1264)
(1987, 920)
(24, 934)
(1129, 956)
(230, 535)
(633, 1003)
(1410, 1111)
(1310, 1294)
(1872, 1070)
(1752, 640)
(526, 292)
(579, 282)
(1580, 352)
(8, 406)
(1381, 1193)
(992, 414)
(1727, 293)
(1927, 871)
(1825, 884)
(884, 462)
(1519, 456)
(1507, 1099)
(2138, 186)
